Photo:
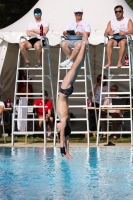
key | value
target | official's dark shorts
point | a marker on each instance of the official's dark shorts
(33, 41)
(117, 40)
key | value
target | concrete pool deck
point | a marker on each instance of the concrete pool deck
(50, 144)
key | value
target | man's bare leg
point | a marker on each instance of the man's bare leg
(23, 49)
(1, 109)
(75, 50)
(40, 122)
(38, 49)
(72, 73)
(50, 124)
(66, 49)
(122, 45)
(111, 43)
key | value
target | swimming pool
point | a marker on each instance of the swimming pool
(103, 173)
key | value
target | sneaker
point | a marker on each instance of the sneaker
(65, 63)
(27, 65)
(38, 65)
(70, 64)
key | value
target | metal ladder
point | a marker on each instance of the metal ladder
(126, 73)
(3, 127)
(37, 75)
(78, 95)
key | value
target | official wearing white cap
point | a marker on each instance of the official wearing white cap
(78, 9)
(78, 26)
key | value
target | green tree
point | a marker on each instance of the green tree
(12, 10)
(130, 3)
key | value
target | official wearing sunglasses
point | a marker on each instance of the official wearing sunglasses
(118, 11)
(73, 32)
(78, 13)
(37, 14)
(33, 31)
(117, 29)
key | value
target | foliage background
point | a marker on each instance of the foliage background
(12, 10)
(130, 3)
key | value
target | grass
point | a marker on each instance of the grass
(73, 139)
(93, 140)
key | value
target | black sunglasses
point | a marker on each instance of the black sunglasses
(78, 13)
(118, 11)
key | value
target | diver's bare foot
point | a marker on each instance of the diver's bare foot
(119, 64)
(108, 65)
(68, 155)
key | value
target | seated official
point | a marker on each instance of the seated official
(118, 28)
(96, 90)
(112, 113)
(2, 106)
(49, 115)
(33, 32)
(80, 27)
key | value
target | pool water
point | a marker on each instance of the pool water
(103, 173)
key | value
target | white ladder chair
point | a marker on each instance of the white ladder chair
(77, 95)
(3, 128)
(37, 75)
(113, 71)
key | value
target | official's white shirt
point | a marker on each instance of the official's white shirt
(97, 93)
(118, 26)
(36, 25)
(2, 104)
(110, 103)
(81, 26)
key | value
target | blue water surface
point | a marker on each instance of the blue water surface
(42, 174)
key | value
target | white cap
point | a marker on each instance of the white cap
(78, 9)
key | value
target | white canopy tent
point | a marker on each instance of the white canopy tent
(98, 13)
